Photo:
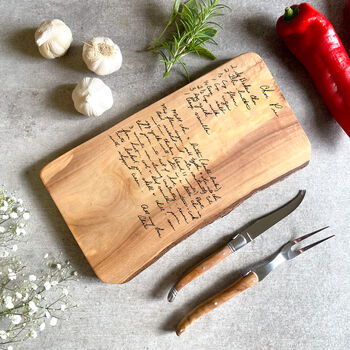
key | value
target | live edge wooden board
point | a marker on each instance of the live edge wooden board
(134, 191)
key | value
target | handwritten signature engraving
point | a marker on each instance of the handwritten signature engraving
(162, 160)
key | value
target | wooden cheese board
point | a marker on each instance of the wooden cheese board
(137, 189)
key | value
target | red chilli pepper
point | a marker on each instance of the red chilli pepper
(312, 39)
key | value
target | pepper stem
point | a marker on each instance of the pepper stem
(290, 13)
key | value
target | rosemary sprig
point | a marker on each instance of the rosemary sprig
(195, 27)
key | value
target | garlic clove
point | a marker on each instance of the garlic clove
(92, 97)
(102, 55)
(53, 38)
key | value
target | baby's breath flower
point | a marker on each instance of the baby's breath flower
(16, 319)
(53, 321)
(33, 334)
(8, 302)
(4, 206)
(19, 231)
(3, 334)
(30, 299)
(13, 215)
(32, 278)
(12, 276)
(32, 306)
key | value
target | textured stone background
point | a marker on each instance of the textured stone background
(302, 305)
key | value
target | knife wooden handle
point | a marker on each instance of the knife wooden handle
(236, 288)
(199, 269)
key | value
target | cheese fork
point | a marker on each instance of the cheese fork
(252, 277)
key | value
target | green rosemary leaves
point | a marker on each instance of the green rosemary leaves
(195, 26)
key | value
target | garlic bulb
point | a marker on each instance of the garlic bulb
(53, 38)
(92, 97)
(102, 56)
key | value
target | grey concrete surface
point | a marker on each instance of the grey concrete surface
(303, 305)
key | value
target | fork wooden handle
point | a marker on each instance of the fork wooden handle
(200, 268)
(236, 288)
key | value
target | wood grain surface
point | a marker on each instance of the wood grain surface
(132, 192)
(203, 266)
(231, 291)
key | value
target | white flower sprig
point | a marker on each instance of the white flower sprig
(13, 217)
(28, 302)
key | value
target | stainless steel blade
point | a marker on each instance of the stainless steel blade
(265, 222)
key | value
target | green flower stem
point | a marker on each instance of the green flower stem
(30, 298)
(4, 221)
(13, 281)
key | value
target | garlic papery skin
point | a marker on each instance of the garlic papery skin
(92, 97)
(102, 55)
(53, 38)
